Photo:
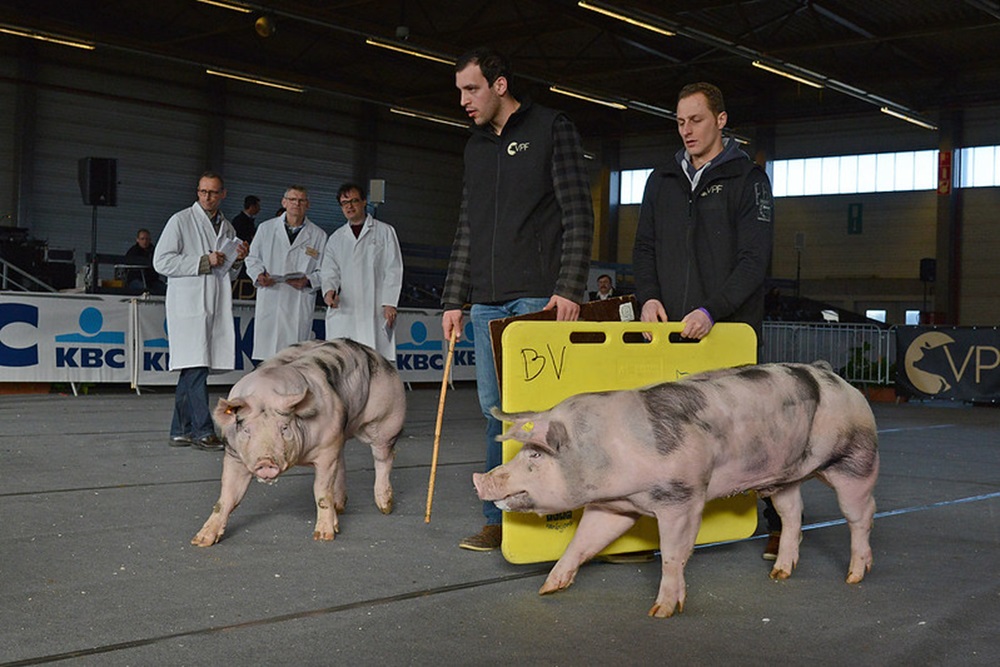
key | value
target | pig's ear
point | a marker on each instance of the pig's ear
(303, 405)
(522, 423)
(549, 436)
(518, 419)
(226, 411)
(535, 429)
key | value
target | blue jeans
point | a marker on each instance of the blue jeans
(191, 415)
(486, 377)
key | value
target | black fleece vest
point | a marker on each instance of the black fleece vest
(514, 219)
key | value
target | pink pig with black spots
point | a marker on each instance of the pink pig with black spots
(665, 450)
(299, 408)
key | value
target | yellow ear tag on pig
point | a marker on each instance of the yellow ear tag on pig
(528, 427)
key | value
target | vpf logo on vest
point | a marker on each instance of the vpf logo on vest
(516, 147)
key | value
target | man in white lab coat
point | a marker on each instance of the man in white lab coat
(284, 264)
(362, 276)
(196, 252)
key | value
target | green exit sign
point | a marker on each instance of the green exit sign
(854, 218)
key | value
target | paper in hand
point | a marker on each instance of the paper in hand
(229, 247)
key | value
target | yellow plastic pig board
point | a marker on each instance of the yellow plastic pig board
(546, 362)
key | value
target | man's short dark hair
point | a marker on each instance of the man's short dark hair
(712, 93)
(251, 200)
(213, 174)
(347, 187)
(492, 64)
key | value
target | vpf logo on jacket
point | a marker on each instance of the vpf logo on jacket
(516, 147)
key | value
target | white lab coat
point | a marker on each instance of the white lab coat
(368, 271)
(199, 307)
(283, 314)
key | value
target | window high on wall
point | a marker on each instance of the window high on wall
(852, 174)
(905, 171)
(978, 167)
(633, 183)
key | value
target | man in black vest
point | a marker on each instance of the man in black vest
(524, 231)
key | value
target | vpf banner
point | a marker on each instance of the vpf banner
(955, 363)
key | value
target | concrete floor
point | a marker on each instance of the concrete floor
(96, 514)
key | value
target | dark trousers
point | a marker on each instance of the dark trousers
(771, 517)
(192, 417)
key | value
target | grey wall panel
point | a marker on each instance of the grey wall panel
(8, 101)
(979, 305)
(643, 152)
(423, 184)
(898, 230)
(871, 133)
(159, 152)
(981, 126)
(265, 158)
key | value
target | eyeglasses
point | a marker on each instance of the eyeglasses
(209, 193)
(350, 202)
(296, 200)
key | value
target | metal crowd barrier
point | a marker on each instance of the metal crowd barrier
(861, 353)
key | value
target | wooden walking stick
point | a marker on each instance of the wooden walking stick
(437, 426)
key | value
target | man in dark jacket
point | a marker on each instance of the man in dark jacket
(146, 279)
(524, 232)
(244, 222)
(705, 233)
(705, 230)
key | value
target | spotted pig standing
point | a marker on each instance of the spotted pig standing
(299, 408)
(666, 450)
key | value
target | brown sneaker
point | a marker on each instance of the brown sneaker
(771, 550)
(487, 539)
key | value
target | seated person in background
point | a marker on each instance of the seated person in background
(605, 290)
(141, 254)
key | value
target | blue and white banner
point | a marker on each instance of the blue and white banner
(63, 338)
(102, 338)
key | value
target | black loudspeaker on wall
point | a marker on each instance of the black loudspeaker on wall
(928, 269)
(99, 181)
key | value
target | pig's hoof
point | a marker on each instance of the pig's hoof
(662, 611)
(324, 536)
(858, 570)
(778, 573)
(855, 577)
(557, 583)
(386, 507)
(205, 539)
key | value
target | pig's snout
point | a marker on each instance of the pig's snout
(477, 480)
(495, 486)
(266, 470)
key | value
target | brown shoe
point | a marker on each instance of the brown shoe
(487, 539)
(771, 550)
